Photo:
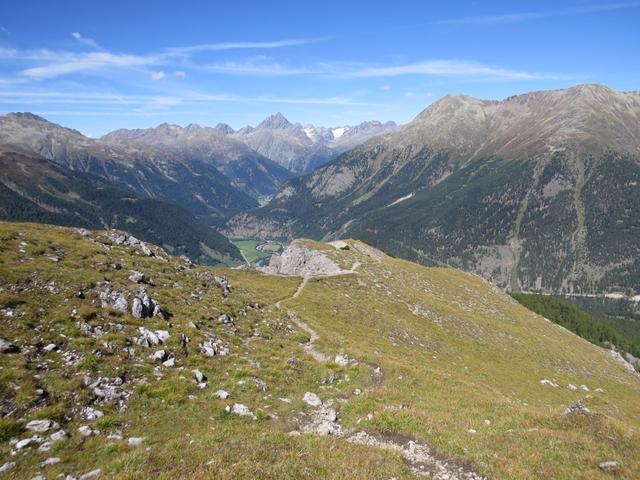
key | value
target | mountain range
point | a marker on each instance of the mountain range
(130, 179)
(300, 148)
(536, 192)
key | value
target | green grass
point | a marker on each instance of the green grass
(248, 249)
(470, 354)
(580, 322)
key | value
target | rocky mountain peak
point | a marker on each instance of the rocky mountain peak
(223, 128)
(276, 121)
(27, 116)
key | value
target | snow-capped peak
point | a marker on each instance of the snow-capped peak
(338, 132)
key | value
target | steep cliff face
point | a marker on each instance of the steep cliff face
(535, 192)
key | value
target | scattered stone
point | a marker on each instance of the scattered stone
(27, 442)
(85, 431)
(159, 356)
(137, 277)
(312, 399)
(223, 283)
(92, 474)
(571, 386)
(45, 447)
(50, 347)
(545, 381)
(576, 408)
(41, 426)
(90, 413)
(50, 461)
(148, 338)
(135, 441)
(8, 347)
(324, 421)
(260, 384)
(225, 319)
(242, 411)
(145, 307)
(213, 347)
(39, 477)
(169, 363)
(609, 466)
(339, 245)
(223, 394)
(341, 360)
(7, 466)
(200, 377)
(114, 299)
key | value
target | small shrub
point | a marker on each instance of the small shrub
(9, 429)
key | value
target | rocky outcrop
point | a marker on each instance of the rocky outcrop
(300, 260)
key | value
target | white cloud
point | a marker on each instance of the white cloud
(180, 74)
(65, 63)
(108, 99)
(157, 76)
(212, 47)
(523, 16)
(252, 67)
(90, 42)
(446, 68)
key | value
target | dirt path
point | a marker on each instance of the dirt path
(324, 420)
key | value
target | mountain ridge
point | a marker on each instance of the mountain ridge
(470, 183)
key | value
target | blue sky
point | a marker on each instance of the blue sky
(97, 66)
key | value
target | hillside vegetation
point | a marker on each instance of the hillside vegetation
(578, 321)
(34, 190)
(383, 369)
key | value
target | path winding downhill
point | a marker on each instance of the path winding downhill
(421, 459)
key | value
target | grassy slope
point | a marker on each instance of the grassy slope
(578, 321)
(476, 355)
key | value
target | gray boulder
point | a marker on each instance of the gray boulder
(114, 299)
(41, 426)
(8, 347)
(137, 277)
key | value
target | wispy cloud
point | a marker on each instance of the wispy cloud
(192, 98)
(446, 68)
(58, 63)
(157, 76)
(65, 63)
(524, 16)
(4, 30)
(260, 66)
(89, 42)
(212, 47)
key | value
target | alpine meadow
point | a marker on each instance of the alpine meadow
(320, 241)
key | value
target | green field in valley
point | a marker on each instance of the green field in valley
(255, 250)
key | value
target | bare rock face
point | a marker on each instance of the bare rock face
(300, 260)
